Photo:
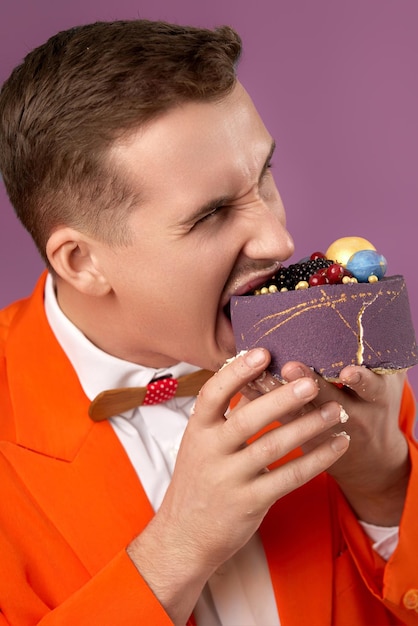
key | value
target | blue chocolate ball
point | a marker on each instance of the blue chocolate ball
(365, 263)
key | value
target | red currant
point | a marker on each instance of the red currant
(317, 255)
(335, 273)
(318, 279)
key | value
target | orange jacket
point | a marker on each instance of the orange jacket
(71, 502)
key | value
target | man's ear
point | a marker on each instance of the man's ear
(72, 256)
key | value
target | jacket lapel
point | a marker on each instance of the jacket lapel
(76, 470)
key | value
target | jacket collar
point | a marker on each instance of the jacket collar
(54, 423)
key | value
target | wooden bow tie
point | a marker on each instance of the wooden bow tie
(115, 401)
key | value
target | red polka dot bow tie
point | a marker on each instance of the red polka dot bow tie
(115, 401)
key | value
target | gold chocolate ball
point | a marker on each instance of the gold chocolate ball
(342, 249)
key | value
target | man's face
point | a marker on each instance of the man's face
(210, 224)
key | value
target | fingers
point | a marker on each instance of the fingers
(247, 421)
(281, 404)
(368, 385)
(278, 442)
(261, 385)
(363, 382)
(215, 396)
(293, 370)
(299, 471)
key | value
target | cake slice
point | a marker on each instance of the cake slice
(331, 323)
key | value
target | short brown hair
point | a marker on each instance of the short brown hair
(62, 108)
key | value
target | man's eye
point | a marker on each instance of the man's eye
(208, 216)
(267, 176)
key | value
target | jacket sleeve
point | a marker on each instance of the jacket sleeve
(395, 582)
(116, 595)
(43, 581)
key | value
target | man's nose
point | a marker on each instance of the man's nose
(269, 237)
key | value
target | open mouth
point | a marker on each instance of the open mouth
(249, 288)
(227, 310)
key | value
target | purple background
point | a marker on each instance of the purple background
(336, 83)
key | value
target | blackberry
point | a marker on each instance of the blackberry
(289, 277)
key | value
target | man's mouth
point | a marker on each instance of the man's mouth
(227, 310)
(247, 287)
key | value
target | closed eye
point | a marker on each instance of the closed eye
(209, 215)
(212, 208)
(269, 165)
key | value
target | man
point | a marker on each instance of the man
(139, 165)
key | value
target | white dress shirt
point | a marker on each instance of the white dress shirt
(151, 436)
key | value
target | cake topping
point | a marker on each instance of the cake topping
(342, 249)
(348, 259)
(366, 264)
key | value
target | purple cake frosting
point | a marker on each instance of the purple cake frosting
(328, 327)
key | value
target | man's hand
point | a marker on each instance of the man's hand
(221, 488)
(374, 473)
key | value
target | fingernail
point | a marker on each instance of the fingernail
(339, 441)
(328, 413)
(303, 388)
(353, 379)
(295, 373)
(255, 357)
